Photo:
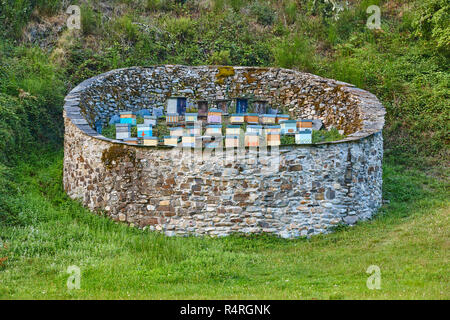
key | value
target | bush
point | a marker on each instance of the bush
(432, 22)
(265, 15)
(295, 53)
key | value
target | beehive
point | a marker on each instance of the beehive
(303, 137)
(251, 139)
(202, 107)
(237, 118)
(214, 129)
(273, 129)
(195, 130)
(233, 129)
(268, 118)
(190, 117)
(241, 105)
(150, 120)
(304, 124)
(172, 118)
(188, 141)
(171, 141)
(150, 141)
(171, 105)
(273, 139)
(222, 104)
(123, 130)
(216, 143)
(231, 141)
(128, 117)
(176, 131)
(282, 117)
(131, 140)
(288, 127)
(260, 106)
(215, 116)
(252, 118)
(255, 128)
(144, 130)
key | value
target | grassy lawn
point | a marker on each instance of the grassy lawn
(45, 232)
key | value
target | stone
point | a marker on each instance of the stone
(309, 190)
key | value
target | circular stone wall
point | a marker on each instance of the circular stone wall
(308, 189)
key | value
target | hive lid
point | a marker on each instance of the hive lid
(215, 110)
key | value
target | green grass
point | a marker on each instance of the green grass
(45, 232)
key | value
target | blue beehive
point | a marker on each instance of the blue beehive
(158, 112)
(190, 117)
(213, 129)
(128, 117)
(150, 120)
(144, 130)
(303, 137)
(288, 126)
(114, 119)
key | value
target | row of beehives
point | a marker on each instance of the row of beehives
(271, 131)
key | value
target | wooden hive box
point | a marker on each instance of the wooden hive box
(231, 141)
(176, 131)
(190, 117)
(273, 128)
(303, 137)
(195, 130)
(233, 129)
(150, 120)
(241, 105)
(131, 140)
(128, 117)
(260, 106)
(252, 118)
(268, 118)
(282, 117)
(214, 116)
(214, 129)
(288, 127)
(304, 124)
(213, 144)
(273, 139)
(202, 107)
(188, 141)
(223, 104)
(172, 118)
(255, 128)
(251, 139)
(237, 118)
(150, 141)
(171, 141)
(144, 130)
(123, 131)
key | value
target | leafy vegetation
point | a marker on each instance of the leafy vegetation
(48, 232)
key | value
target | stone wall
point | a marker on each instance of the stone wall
(312, 189)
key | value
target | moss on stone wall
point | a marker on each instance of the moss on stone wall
(224, 72)
(118, 153)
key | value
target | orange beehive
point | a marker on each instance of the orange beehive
(304, 124)
(251, 139)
